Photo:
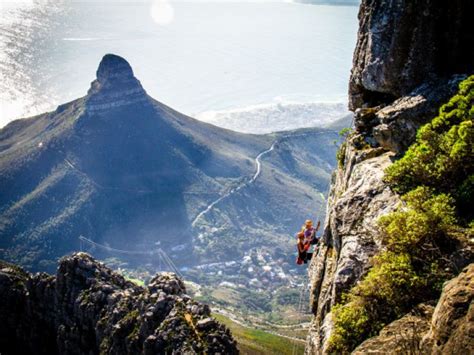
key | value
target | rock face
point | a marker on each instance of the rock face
(89, 309)
(358, 198)
(402, 43)
(452, 326)
(400, 77)
(395, 126)
(115, 85)
(446, 329)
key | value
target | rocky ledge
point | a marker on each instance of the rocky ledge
(89, 309)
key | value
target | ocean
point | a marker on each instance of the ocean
(254, 67)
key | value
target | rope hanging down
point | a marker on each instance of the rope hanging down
(302, 309)
(159, 253)
(303, 304)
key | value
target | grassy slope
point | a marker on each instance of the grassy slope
(254, 341)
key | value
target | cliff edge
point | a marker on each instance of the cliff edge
(406, 64)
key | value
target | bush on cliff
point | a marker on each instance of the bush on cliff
(436, 176)
(410, 270)
(443, 154)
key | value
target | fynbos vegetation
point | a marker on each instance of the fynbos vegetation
(436, 176)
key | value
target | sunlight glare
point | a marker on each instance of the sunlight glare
(162, 12)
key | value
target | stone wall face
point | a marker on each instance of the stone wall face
(409, 59)
(402, 43)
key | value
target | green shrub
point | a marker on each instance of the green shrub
(409, 271)
(443, 154)
(345, 132)
(352, 324)
(427, 218)
(341, 154)
(436, 176)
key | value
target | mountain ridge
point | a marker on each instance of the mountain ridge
(88, 308)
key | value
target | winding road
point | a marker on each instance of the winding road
(258, 170)
(259, 164)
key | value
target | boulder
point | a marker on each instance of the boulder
(402, 336)
(446, 329)
(452, 326)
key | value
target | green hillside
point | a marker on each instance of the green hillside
(254, 341)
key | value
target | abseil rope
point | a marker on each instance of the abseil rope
(160, 253)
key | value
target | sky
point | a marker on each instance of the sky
(221, 61)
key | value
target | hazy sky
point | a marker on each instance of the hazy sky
(202, 58)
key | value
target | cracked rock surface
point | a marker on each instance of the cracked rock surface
(406, 64)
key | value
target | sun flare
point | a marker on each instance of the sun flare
(162, 12)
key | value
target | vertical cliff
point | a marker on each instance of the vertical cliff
(409, 59)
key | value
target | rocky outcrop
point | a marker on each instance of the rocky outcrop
(446, 329)
(115, 86)
(400, 77)
(89, 309)
(402, 336)
(393, 127)
(403, 43)
(452, 326)
(357, 199)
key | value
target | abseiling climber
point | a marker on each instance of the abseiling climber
(306, 238)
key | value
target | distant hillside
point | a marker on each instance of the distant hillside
(128, 172)
(112, 165)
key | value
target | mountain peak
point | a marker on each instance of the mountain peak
(114, 68)
(114, 86)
